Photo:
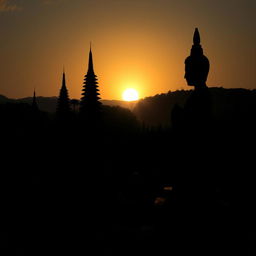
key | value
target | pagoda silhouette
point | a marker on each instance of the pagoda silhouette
(90, 105)
(34, 104)
(63, 110)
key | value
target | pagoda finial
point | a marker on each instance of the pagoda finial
(34, 102)
(196, 37)
(90, 64)
(63, 78)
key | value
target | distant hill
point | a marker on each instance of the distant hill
(48, 104)
(156, 110)
(4, 99)
(226, 104)
(120, 103)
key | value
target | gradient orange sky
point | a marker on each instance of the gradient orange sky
(136, 43)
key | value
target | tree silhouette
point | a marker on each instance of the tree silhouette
(90, 105)
(75, 104)
(63, 105)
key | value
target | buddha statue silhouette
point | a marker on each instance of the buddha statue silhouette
(198, 106)
(196, 65)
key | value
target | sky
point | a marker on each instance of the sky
(140, 44)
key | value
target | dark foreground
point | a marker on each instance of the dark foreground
(69, 191)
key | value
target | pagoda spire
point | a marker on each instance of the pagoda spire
(90, 105)
(90, 63)
(63, 105)
(34, 102)
(64, 80)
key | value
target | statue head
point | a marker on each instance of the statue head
(196, 65)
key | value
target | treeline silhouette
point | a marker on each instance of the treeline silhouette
(156, 111)
(227, 104)
(57, 177)
(49, 104)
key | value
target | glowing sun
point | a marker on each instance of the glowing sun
(130, 95)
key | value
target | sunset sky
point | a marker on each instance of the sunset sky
(139, 44)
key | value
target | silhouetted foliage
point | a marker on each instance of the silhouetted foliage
(49, 104)
(117, 119)
(75, 105)
(156, 110)
(227, 105)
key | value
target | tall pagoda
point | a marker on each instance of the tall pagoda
(90, 105)
(63, 105)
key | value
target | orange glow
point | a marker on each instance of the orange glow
(147, 50)
(160, 201)
(168, 188)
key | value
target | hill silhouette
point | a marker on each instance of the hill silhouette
(227, 104)
(156, 110)
(49, 104)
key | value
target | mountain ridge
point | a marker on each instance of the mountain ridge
(156, 110)
(48, 104)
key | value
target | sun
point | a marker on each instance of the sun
(130, 94)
